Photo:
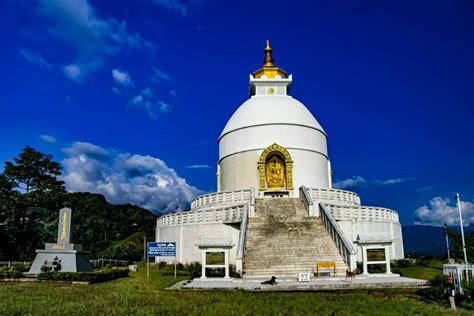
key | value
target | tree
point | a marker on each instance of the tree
(456, 241)
(30, 195)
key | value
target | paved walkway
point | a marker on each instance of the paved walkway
(315, 284)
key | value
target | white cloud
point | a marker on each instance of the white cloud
(35, 58)
(425, 189)
(126, 178)
(147, 92)
(122, 78)
(440, 211)
(175, 5)
(147, 103)
(159, 74)
(198, 167)
(360, 182)
(351, 183)
(392, 181)
(174, 93)
(116, 90)
(48, 138)
(92, 38)
(73, 72)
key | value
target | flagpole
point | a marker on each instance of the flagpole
(462, 229)
(447, 241)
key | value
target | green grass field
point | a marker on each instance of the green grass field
(433, 268)
(139, 295)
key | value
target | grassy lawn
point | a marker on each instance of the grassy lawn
(139, 295)
(433, 268)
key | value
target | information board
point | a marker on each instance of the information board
(162, 249)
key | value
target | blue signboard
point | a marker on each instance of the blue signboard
(162, 249)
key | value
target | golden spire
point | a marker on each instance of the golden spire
(268, 61)
(269, 69)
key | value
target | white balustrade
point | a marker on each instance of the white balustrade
(222, 198)
(333, 196)
(230, 214)
(343, 244)
(362, 213)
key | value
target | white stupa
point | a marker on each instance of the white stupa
(273, 186)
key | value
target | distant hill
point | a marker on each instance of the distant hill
(426, 240)
(96, 224)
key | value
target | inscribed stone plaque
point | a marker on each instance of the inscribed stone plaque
(64, 226)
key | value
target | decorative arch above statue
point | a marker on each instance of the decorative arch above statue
(275, 169)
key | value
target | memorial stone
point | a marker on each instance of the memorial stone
(62, 256)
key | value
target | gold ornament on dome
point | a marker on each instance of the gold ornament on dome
(269, 69)
(275, 169)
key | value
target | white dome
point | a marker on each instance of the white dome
(271, 109)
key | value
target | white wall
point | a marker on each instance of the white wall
(387, 230)
(240, 171)
(186, 236)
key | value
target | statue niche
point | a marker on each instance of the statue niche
(275, 173)
(275, 169)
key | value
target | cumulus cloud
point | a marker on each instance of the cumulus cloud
(359, 182)
(92, 38)
(441, 211)
(392, 181)
(198, 167)
(122, 78)
(159, 74)
(126, 178)
(174, 93)
(425, 189)
(48, 138)
(351, 183)
(74, 72)
(145, 101)
(175, 5)
(116, 90)
(35, 58)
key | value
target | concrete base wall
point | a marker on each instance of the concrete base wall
(387, 230)
(187, 236)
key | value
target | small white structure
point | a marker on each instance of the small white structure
(273, 147)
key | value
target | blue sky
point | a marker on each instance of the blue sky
(132, 95)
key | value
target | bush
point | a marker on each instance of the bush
(11, 274)
(437, 287)
(161, 265)
(194, 269)
(100, 275)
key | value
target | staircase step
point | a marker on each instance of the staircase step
(283, 240)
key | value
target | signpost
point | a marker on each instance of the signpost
(161, 249)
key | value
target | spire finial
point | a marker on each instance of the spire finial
(268, 61)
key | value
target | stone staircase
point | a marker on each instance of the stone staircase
(283, 241)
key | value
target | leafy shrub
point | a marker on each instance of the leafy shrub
(179, 266)
(468, 287)
(21, 267)
(437, 287)
(161, 265)
(11, 274)
(194, 269)
(101, 275)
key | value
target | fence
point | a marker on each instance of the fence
(459, 273)
(99, 263)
